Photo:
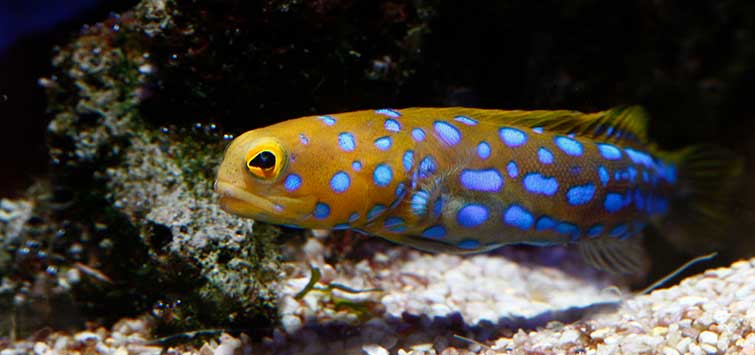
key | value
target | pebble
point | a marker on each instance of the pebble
(691, 300)
(709, 349)
(709, 337)
(373, 349)
(659, 330)
(667, 350)
(568, 336)
(683, 344)
(600, 333)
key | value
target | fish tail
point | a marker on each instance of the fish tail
(704, 205)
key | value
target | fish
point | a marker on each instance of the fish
(467, 180)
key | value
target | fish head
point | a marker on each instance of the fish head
(284, 174)
(253, 180)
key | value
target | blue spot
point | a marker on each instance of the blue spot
(539, 184)
(569, 146)
(392, 125)
(388, 112)
(466, 120)
(449, 134)
(472, 215)
(512, 137)
(303, 139)
(603, 175)
(438, 206)
(292, 182)
(483, 150)
(382, 175)
(544, 223)
(668, 172)
(395, 224)
(595, 230)
(645, 176)
(427, 167)
(545, 155)
(375, 211)
(538, 130)
(400, 189)
(346, 141)
(434, 232)
(340, 182)
(619, 230)
(632, 172)
(567, 229)
(488, 180)
(613, 202)
(383, 143)
(408, 160)
(329, 120)
(354, 217)
(356, 165)
(322, 211)
(512, 169)
(580, 194)
(418, 202)
(609, 151)
(468, 244)
(418, 134)
(617, 175)
(518, 217)
(341, 226)
(639, 157)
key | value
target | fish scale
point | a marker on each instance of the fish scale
(460, 180)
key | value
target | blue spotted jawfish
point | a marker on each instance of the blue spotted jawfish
(469, 180)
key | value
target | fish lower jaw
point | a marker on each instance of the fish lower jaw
(236, 200)
(271, 209)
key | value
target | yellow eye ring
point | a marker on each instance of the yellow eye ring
(265, 160)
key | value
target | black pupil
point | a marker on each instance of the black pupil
(263, 160)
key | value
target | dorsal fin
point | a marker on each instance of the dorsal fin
(623, 124)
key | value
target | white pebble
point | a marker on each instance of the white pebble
(709, 337)
(667, 350)
(696, 349)
(374, 349)
(569, 336)
(709, 349)
(600, 333)
(683, 344)
(691, 300)
(291, 323)
(86, 336)
(41, 348)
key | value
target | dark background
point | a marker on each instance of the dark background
(29, 30)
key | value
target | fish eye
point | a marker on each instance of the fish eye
(264, 160)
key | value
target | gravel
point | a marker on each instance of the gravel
(504, 303)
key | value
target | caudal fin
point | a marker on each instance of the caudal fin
(705, 203)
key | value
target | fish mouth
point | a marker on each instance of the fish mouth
(236, 200)
(233, 198)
